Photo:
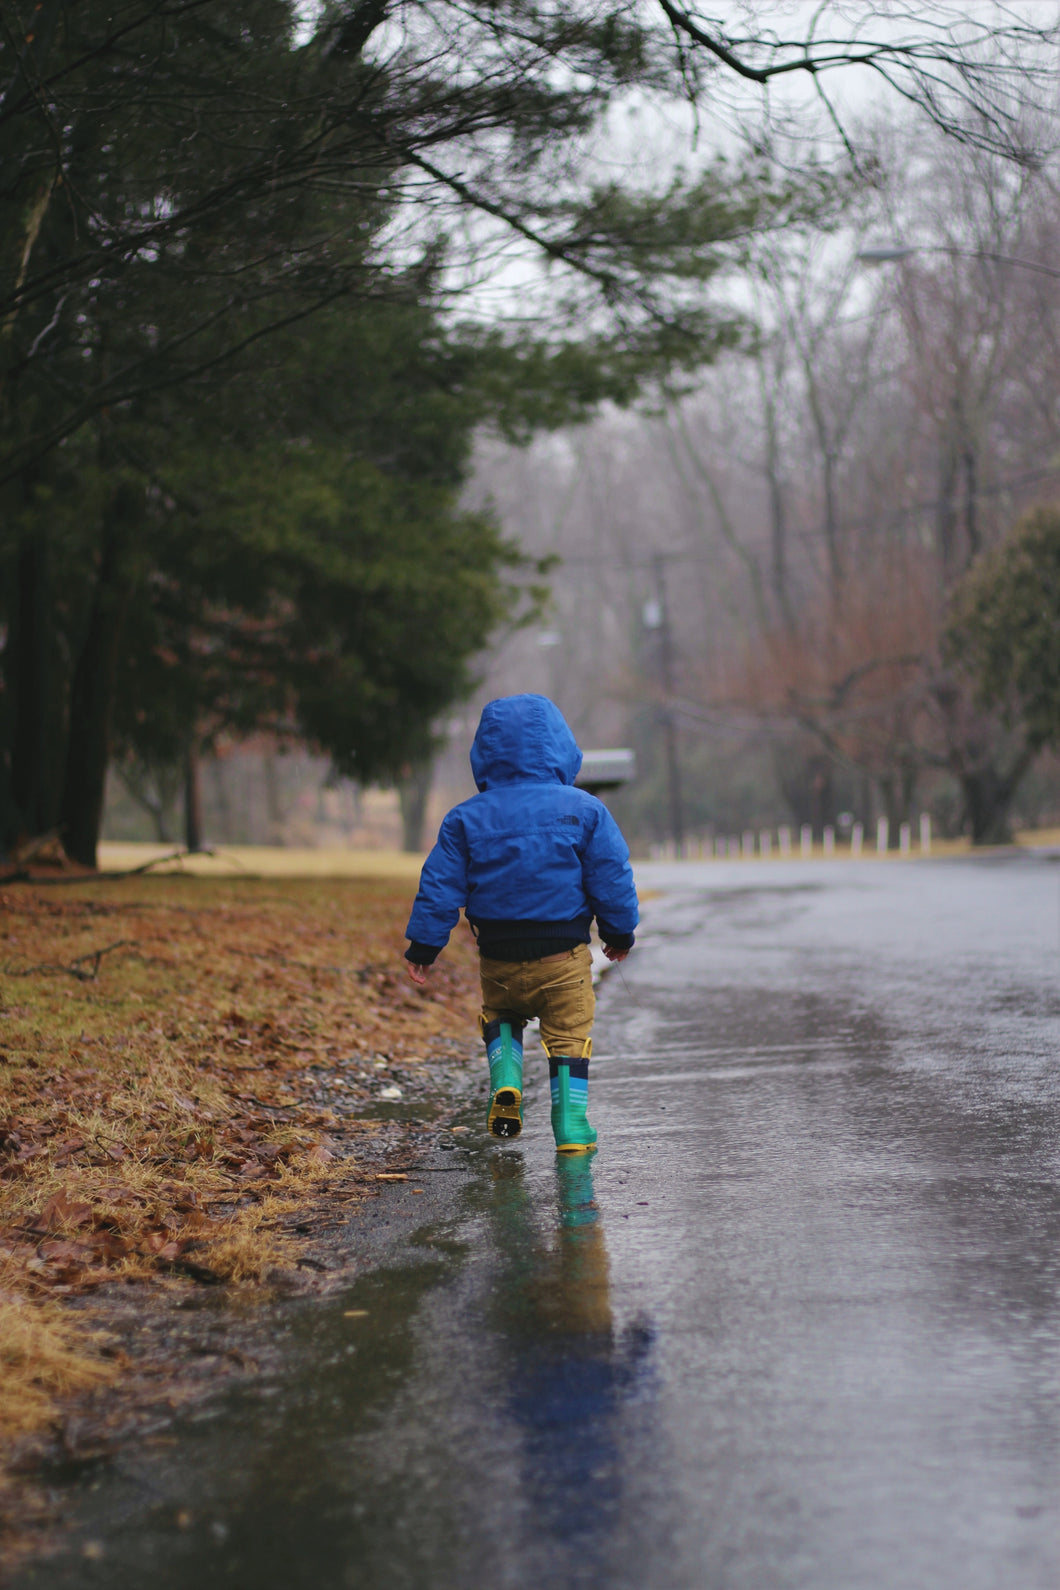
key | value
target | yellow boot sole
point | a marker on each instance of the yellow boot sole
(505, 1118)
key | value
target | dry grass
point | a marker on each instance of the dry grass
(169, 1113)
(43, 1356)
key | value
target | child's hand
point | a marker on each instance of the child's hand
(419, 974)
(613, 954)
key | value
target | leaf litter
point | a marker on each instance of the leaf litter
(195, 1104)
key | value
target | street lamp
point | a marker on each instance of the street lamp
(886, 253)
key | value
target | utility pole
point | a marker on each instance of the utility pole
(661, 615)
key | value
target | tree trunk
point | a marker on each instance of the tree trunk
(946, 514)
(192, 799)
(31, 677)
(831, 528)
(777, 514)
(822, 803)
(804, 775)
(971, 503)
(892, 799)
(221, 801)
(866, 802)
(988, 795)
(92, 687)
(273, 806)
(413, 792)
(138, 781)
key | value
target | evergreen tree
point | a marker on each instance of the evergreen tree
(1005, 627)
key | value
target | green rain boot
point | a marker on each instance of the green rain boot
(569, 1082)
(504, 1050)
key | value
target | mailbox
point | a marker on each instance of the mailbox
(604, 770)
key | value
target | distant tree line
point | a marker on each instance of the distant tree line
(847, 534)
(909, 423)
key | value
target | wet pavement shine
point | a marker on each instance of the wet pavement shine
(797, 1324)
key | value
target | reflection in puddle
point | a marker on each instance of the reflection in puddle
(570, 1373)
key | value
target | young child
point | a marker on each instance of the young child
(532, 860)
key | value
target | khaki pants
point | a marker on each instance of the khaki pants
(558, 990)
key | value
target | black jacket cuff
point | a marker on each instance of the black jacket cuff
(423, 954)
(613, 940)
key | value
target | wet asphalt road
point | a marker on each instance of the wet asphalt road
(797, 1324)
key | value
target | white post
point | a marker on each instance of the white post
(784, 840)
(829, 841)
(882, 835)
(805, 840)
(765, 842)
(748, 842)
(925, 833)
(904, 841)
(721, 847)
(857, 835)
(734, 848)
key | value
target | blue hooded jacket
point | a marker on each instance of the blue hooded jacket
(529, 856)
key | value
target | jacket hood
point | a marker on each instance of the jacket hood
(524, 739)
